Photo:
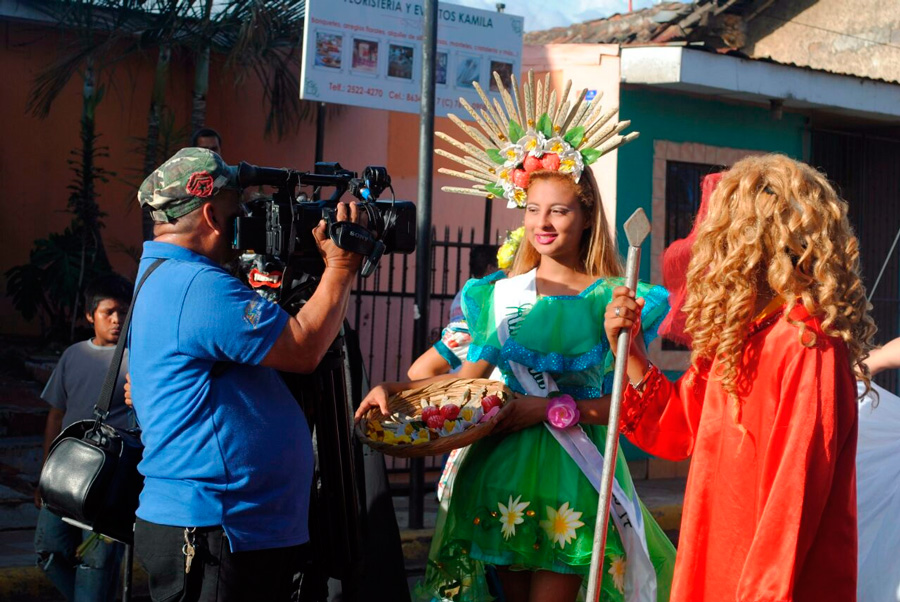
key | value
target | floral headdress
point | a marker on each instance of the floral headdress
(559, 135)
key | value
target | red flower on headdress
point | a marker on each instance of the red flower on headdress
(200, 184)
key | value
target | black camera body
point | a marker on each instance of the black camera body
(279, 229)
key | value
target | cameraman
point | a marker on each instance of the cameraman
(228, 458)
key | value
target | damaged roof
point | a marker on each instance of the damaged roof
(717, 23)
(719, 26)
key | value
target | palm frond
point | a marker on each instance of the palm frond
(264, 39)
(91, 29)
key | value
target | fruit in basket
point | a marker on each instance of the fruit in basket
(490, 402)
(430, 411)
(450, 411)
(435, 421)
(441, 416)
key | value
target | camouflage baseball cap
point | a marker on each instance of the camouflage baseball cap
(184, 182)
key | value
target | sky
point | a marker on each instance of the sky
(544, 14)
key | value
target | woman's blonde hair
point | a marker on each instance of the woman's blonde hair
(598, 247)
(777, 223)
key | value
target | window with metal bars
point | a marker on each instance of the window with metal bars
(683, 197)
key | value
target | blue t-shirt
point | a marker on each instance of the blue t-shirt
(232, 449)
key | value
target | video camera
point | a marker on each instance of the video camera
(279, 229)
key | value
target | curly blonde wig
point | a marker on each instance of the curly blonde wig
(598, 247)
(775, 226)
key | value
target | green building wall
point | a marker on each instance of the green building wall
(680, 118)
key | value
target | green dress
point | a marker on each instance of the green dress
(519, 500)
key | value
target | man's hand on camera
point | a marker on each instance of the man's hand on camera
(334, 256)
(308, 334)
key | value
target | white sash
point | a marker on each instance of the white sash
(513, 299)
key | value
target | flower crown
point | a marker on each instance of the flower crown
(560, 136)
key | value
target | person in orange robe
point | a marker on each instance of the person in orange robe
(777, 317)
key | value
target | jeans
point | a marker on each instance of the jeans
(92, 578)
(217, 574)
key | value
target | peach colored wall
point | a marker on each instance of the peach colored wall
(33, 169)
(34, 173)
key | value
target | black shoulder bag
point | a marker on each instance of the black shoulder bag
(90, 477)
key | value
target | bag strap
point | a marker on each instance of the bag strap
(101, 409)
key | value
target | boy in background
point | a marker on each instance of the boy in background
(84, 569)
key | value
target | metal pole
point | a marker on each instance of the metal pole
(320, 139)
(423, 246)
(320, 131)
(883, 266)
(488, 202)
(636, 229)
(488, 211)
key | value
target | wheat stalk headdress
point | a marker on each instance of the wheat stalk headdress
(539, 130)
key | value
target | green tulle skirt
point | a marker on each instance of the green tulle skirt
(520, 501)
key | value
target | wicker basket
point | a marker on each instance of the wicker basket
(408, 404)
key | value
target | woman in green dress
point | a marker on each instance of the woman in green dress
(524, 499)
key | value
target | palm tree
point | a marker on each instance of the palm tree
(51, 284)
(159, 29)
(265, 38)
(257, 38)
(201, 70)
(91, 29)
(261, 38)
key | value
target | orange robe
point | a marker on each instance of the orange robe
(771, 515)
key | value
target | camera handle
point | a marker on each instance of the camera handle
(356, 239)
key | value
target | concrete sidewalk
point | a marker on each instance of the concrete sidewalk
(22, 581)
(22, 417)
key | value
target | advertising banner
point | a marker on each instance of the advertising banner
(368, 53)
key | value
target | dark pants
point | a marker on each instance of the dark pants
(217, 574)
